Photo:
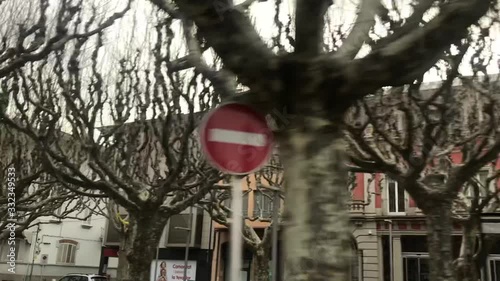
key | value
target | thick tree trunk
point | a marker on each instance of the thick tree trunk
(439, 230)
(123, 265)
(261, 263)
(317, 236)
(143, 236)
(464, 265)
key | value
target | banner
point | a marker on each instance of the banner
(173, 270)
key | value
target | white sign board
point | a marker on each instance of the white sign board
(173, 270)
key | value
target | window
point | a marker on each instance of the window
(395, 197)
(494, 268)
(415, 267)
(263, 203)
(175, 234)
(5, 249)
(180, 226)
(67, 251)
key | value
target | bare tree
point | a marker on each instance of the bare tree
(29, 193)
(413, 133)
(317, 87)
(130, 132)
(476, 198)
(31, 31)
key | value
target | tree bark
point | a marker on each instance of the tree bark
(439, 230)
(261, 263)
(123, 265)
(142, 238)
(464, 265)
(317, 236)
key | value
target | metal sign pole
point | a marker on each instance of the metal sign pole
(236, 228)
(274, 259)
(223, 132)
(188, 243)
(156, 262)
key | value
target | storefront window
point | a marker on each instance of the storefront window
(416, 267)
(494, 268)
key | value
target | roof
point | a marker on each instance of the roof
(456, 82)
(179, 118)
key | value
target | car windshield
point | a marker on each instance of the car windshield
(99, 278)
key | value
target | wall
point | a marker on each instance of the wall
(367, 243)
(89, 239)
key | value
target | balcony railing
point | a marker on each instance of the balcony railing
(357, 206)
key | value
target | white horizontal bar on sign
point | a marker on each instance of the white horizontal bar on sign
(236, 137)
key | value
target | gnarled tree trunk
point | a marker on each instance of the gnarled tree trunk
(142, 238)
(123, 265)
(261, 263)
(464, 265)
(317, 236)
(439, 230)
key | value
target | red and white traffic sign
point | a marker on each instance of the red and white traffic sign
(236, 139)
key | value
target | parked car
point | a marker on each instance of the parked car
(83, 277)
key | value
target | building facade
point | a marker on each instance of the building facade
(188, 233)
(388, 228)
(61, 246)
(54, 248)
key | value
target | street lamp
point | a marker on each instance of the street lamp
(390, 250)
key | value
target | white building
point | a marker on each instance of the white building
(58, 247)
(55, 248)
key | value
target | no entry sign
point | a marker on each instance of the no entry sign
(236, 139)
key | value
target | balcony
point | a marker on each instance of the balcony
(357, 207)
